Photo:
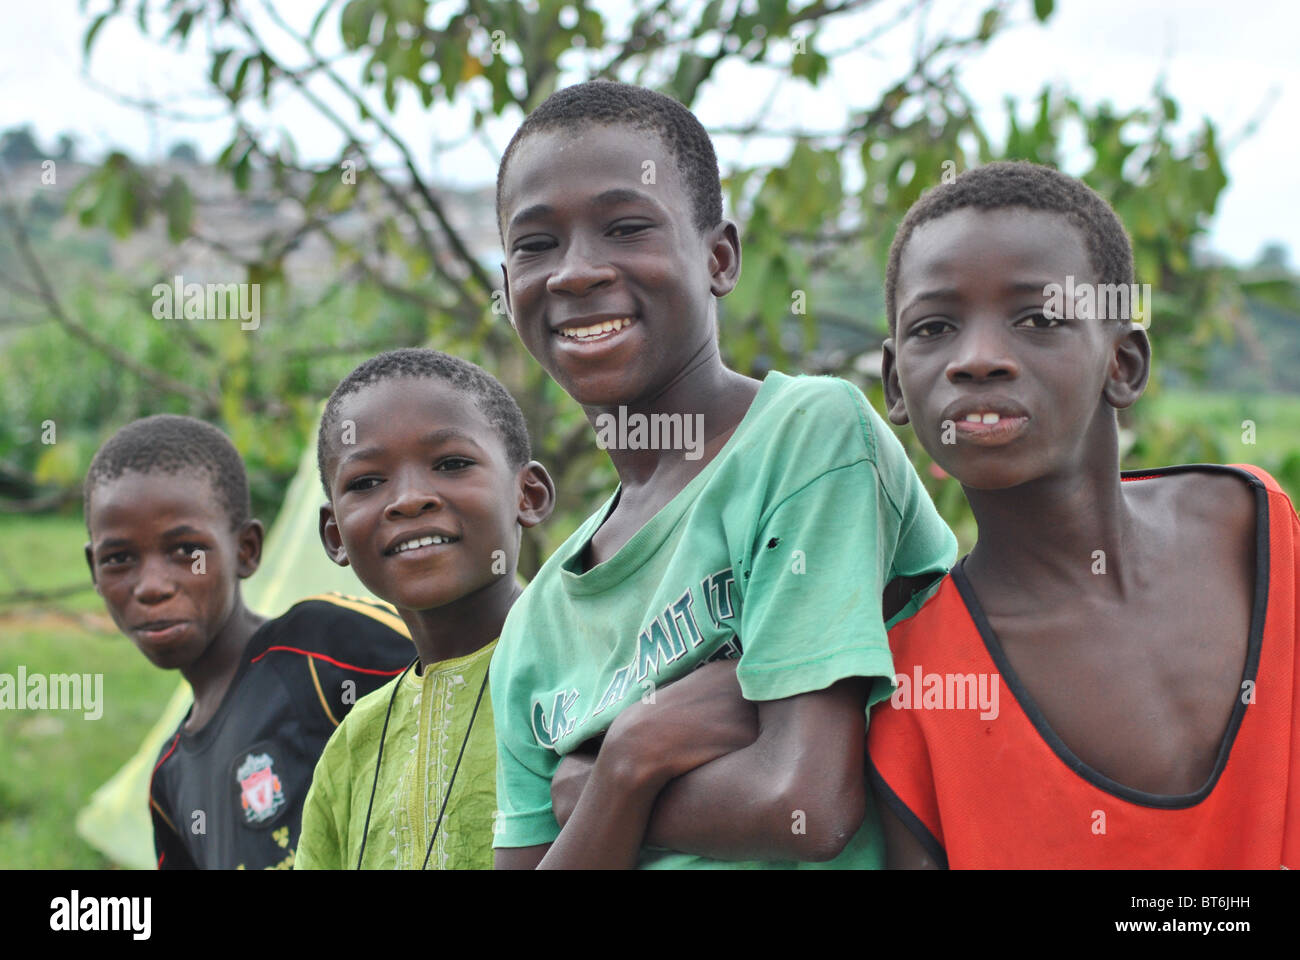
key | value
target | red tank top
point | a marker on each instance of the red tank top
(1008, 793)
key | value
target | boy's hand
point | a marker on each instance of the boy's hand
(676, 728)
(572, 775)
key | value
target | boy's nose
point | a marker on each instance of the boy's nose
(413, 498)
(156, 584)
(982, 353)
(580, 270)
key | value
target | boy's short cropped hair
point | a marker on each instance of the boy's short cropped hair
(487, 393)
(610, 102)
(1018, 183)
(168, 443)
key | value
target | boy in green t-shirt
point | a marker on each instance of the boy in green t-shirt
(426, 463)
(756, 525)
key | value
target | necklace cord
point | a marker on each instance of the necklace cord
(383, 735)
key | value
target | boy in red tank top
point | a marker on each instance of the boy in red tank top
(1109, 678)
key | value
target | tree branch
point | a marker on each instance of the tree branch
(80, 331)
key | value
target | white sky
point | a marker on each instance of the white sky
(1225, 61)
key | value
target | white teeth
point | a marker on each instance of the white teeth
(596, 329)
(991, 418)
(982, 418)
(973, 418)
(418, 542)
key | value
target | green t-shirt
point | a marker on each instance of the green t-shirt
(428, 725)
(777, 552)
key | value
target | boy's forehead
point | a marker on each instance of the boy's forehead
(417, 409)
(576, 166)
(431, 395)
(155, 498)
(994, 242)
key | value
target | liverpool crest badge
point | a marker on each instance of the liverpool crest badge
(260, 794)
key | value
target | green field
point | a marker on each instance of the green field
(1190, 427)
(51, 761)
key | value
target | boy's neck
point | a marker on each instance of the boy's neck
(707, 393)
(210, 675)
(1037, 536)
(463, 626)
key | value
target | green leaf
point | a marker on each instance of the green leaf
(355, 22)
(218, 61)
(1043, 9)
(181, 27)
(178, 203)
(90, 34)
(243, 169)
(989, 23)
(237, 88)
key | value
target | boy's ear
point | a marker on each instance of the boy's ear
(329, 536)
(505, 288)
(897, 410)
(536, 494)
(1130, 367)
(251, 535)
(724, 258)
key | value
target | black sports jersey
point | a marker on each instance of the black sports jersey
(230, 795)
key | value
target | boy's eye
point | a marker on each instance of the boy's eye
(628, 229)
(363, 483)
(114, 559)
(929, 328)
(533, 245)
(454, 463)
(1038, 321)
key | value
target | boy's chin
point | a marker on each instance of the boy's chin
(419, 598)
(990, 479)
(982, 476)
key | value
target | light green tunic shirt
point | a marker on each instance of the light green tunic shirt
(430, 718)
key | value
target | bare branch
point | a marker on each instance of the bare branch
(83, 333)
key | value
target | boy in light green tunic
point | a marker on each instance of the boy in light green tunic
(772, 527)
(425, 460)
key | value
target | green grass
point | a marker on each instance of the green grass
(51, 761)
(45, 553)
(1184, 426)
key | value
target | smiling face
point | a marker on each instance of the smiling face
(608, 281)
(418, 512)
(998, 393)
(145, 531)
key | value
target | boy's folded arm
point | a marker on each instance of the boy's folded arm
(797, 793)
(608, 825)
(687, 724)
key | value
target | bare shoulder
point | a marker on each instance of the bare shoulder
(1214, 514)
(1224, 502)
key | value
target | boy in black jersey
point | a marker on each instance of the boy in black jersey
(171, 536)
